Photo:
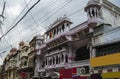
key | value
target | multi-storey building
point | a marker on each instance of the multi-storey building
(2, 72)
(103, 19)
(54, 56)
(25, 50)
(31, 57)
(64, 50)
(27, 58)
(105, 57)
(38, 42)
(10, 65)
(102, 11)
(19, 64)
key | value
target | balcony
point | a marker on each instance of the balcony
(56, 52)
(56, 66)
(112, 59)
(80, 63)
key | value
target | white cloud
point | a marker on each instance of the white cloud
(14, 10)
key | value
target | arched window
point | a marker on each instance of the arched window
(57, 30)
(67, 24)
(51, 34)
(60, 48)
(66, 59)
(82, 54)
(60, 29)
(89, 13)
(46, 61)
(63, 27)
(62, 57)
(43, 64)
(93, 13)
(54, 31)
(59, 60)
(56, 59)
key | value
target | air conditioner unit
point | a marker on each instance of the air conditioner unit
(82, 71)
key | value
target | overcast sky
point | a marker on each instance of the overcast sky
(38, 19)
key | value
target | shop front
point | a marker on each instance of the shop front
(107, 73)
(75, 73)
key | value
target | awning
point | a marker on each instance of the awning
(111, 75)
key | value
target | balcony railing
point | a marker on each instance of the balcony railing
(80, 63)
(56, 66)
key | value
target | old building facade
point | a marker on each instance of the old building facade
(103, 22)
(64, 52)
(11, 66)
(60, 50)
(63, 47)
(106, 48)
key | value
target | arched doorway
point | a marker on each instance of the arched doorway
(82, 54)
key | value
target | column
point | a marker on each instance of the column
(37, 63)
(95, 11)
(91, 13)
(70, 53)
(55, 59)
(93, 53)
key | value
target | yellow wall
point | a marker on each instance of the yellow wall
(105, 60)
(111, 75)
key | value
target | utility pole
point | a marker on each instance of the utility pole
(2, 19)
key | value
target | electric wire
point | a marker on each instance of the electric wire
(46, 14)
(53, 13)
(51, 16)
(41, 10)
(31, 15)
(48, 17)
(13, 21)
(68, 15)
(19, 19)
(16, 18)
(20, 13)
(40, 30)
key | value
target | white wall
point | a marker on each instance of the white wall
(110, 17)
(108, 37)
